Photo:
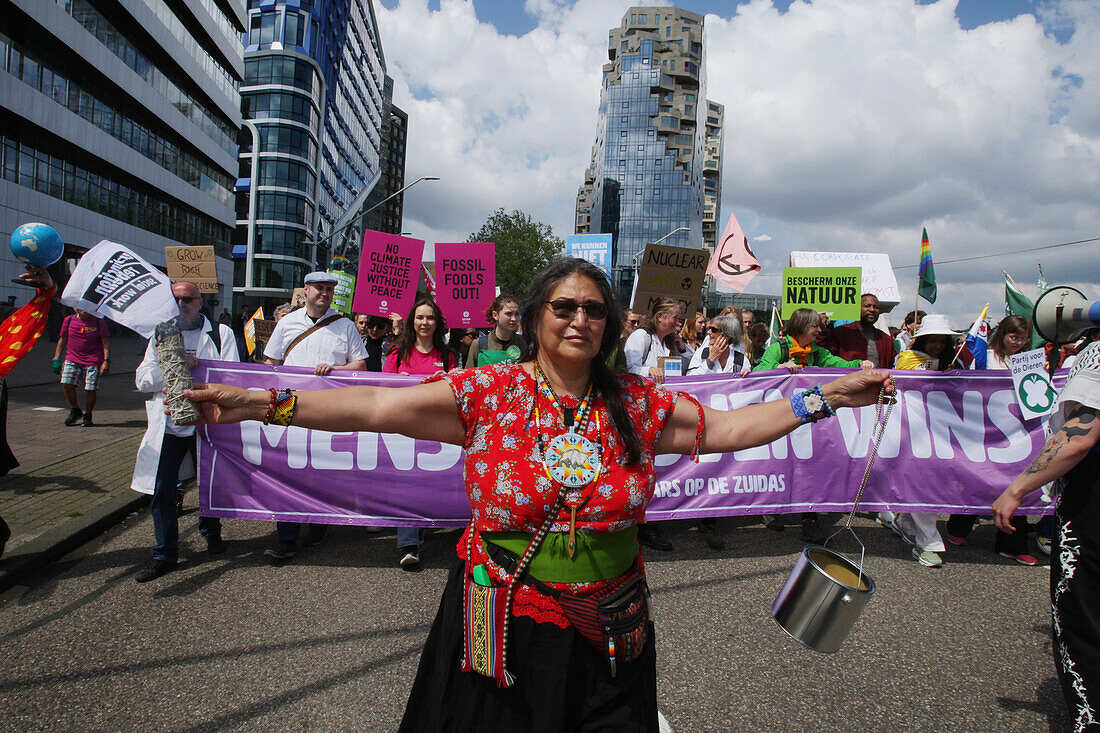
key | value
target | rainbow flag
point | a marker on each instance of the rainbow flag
(339, 259)
(926, 283)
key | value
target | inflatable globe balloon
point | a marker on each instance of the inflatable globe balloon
(37, 244)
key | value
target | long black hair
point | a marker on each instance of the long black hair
(405, 343)
(604, 379)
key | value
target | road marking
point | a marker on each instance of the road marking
(48, 409)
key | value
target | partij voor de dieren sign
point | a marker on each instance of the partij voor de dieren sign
(832, 290)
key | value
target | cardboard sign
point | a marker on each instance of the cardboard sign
(263, 329)
(1034, 393)
(878, 274)
(298, 298)
(193, 264)
(342, 295)
(465, 282)
(594, 248)
(670, 272)
(250, 329)
(673, 366)
(833, 290)
(389, 267)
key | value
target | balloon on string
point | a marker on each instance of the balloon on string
(37, 244)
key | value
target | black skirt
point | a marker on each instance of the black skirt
(561, 683)
(1075, 593)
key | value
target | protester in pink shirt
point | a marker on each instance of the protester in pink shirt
(419, 349)
(87, 358)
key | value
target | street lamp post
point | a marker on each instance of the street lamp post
(359, 215)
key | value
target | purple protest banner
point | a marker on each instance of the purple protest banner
(389, 267)
(954, 441)
(465, 282)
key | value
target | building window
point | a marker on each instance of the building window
(642, 18)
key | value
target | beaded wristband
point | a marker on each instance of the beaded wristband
(271, 405)
(811, 405)
(285, 408)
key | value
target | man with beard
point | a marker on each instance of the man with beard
(860, 339)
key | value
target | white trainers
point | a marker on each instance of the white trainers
(927, 558)
(892, 524)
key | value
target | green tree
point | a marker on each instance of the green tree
(524, 247)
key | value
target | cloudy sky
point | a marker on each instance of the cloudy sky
(850, 125)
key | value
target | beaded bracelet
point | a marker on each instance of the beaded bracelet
(811, 405)
(271, 405)
(285, 408)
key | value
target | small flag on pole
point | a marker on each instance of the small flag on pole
(1018, 304)
(733, 263)
(926, 282)
(774, 327)
(977, 341)
(428, 279)
(339, 259)
(1042, 282)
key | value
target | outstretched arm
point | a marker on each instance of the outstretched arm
(424, 411)
(759, 424)
(1062, 451)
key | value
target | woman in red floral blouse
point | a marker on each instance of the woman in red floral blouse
(558, 427)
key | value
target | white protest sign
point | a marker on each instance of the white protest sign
(878, 275)
(1034, 393)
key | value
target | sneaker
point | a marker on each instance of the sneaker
(87, 421)
(154, 570)
(772, 522)
(74, 415)
(1044, 543)
(957, 541)
(711, 537)
(1028, 560)
(215, 545)
(812, 532)
(314, 534)
(282, 551)
(651, 537)
(927, 558)
(892, 525)
(410, 556)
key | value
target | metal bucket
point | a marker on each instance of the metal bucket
(822, 598)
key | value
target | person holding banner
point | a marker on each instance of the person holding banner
(559, 470)
(930, 349)
(1012, 335)
(719, 355)
(316, 337)
(165, 444)
(502, 345)
(1071, 457)
(420, 349)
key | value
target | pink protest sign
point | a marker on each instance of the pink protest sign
(389, 267)
(465, 281)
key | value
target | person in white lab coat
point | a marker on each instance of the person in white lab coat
(166, 444)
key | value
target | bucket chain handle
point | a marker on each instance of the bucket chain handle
(876, 434)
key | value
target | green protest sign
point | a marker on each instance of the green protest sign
(342, 294)
(832, 290)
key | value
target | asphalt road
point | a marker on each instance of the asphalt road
(331, 641)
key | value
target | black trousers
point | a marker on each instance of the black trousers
(1075, 593)
(960, 525)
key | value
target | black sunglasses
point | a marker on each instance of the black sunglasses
(714, 329)
(564, 308)
(186, 299)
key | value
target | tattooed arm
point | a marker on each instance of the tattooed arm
(1063, 451)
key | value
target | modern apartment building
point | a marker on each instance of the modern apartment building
(313, 98)
(119, 120)
(655, 145)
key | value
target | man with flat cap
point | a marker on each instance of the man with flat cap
(321, 339)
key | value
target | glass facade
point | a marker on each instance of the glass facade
(386, 215)
(646, 177)
(181, 94)
(313, 90)
(152, 138)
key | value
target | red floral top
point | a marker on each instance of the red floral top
(507, 485)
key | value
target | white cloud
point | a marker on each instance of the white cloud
(849, 126)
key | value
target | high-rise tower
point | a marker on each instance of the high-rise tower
(314, 97)
(655, 144)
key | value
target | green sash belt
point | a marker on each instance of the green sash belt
(599, 556)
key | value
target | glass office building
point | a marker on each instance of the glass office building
(645, 179)
(119, 121)
(313, 98)
(385, 214)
